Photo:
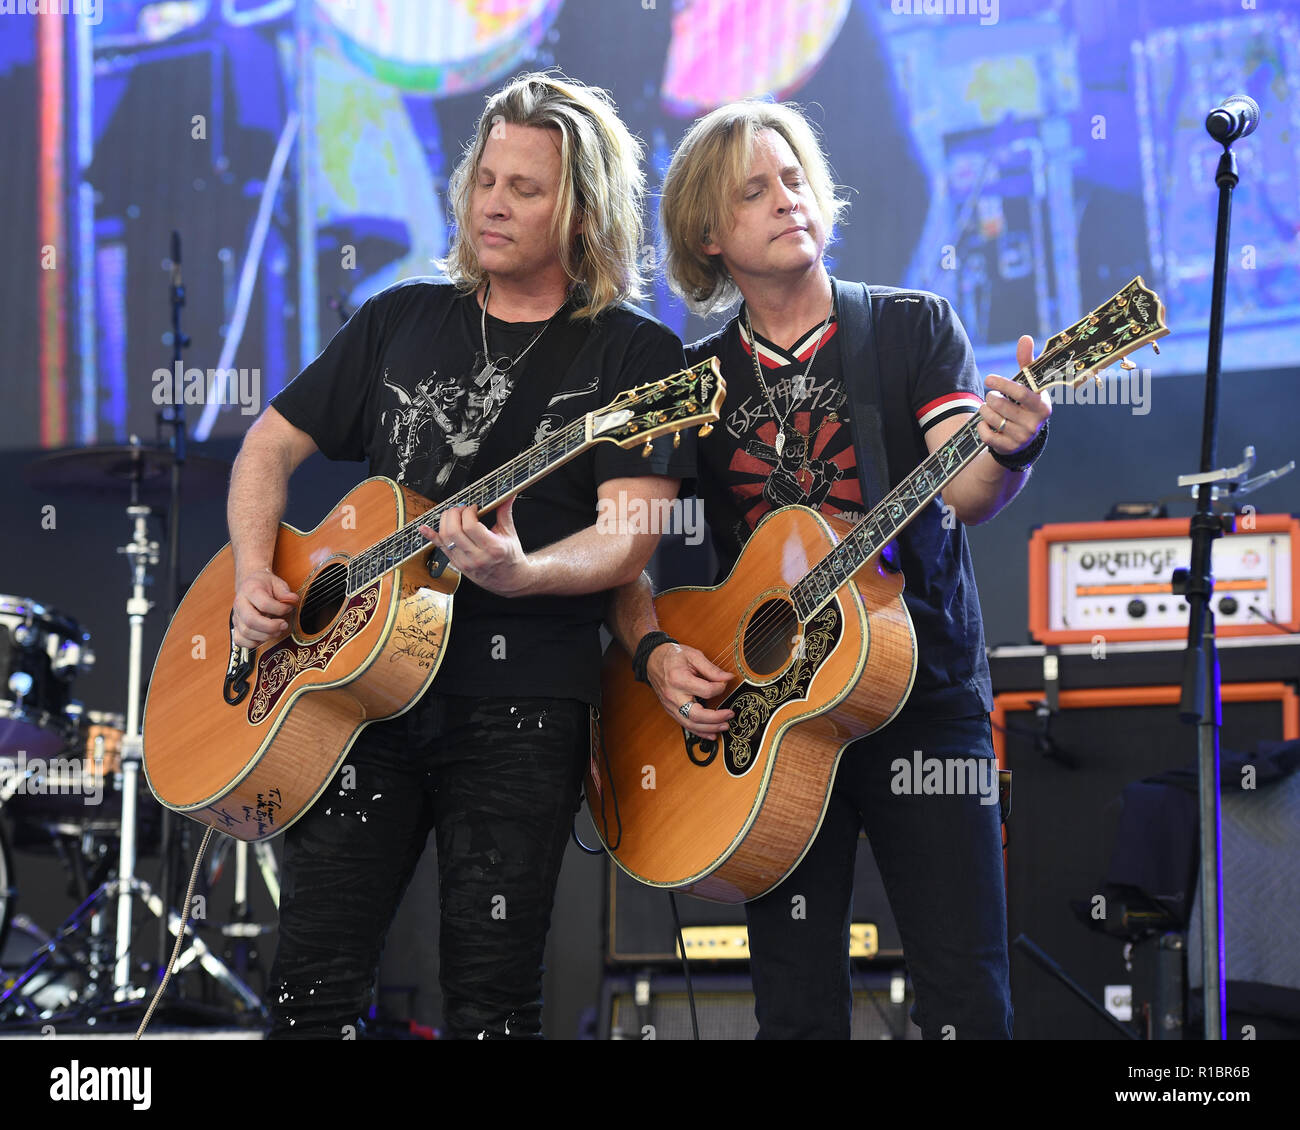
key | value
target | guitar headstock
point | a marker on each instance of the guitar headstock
(1123, 323)
(683, 400)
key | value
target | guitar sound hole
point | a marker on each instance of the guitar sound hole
(323, 599)
(769, 639)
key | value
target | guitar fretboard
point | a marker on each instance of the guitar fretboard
(489, 491)
(889, 517)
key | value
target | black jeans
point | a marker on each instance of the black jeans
(940, 857)
(497, 779)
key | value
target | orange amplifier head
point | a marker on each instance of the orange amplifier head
(1114, 579)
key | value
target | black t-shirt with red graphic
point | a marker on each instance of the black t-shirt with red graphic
(928, 374)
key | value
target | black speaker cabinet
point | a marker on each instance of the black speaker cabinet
(639, 920)
(650, 1005)
(1066, 799)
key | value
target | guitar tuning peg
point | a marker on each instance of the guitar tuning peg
(1127, 364)
(645, 451)
(705, 430)
(1156, 347)
(677, 439)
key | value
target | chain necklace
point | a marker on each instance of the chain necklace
(497, 371)
(800, 389)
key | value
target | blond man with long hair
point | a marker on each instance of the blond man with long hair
(437, 384)
(835, 392)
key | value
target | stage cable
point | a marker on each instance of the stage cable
(686, 968)
(613, 792)
(180, 933)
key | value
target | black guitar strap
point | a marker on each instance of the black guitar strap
(862, 378)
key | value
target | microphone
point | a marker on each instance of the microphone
(1235, 118)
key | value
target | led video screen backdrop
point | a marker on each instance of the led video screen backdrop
(1022, 158)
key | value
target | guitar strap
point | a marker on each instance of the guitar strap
(862, 378)
(550, 361)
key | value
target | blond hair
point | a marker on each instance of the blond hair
(601, 183)
(705, 181)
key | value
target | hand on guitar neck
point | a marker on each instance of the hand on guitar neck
(491, 557)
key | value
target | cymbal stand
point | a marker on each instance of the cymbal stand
(125, 886)
(141, 553)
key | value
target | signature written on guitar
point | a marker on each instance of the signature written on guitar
(418, 635)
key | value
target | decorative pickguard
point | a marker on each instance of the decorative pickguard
(755, 706)
(279, 665)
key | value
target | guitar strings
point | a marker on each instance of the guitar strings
(775, 619)
(491, 486)
(768, 625)
(772, 623)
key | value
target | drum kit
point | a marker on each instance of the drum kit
(70, 782)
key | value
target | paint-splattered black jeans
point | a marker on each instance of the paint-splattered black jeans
(497, 780)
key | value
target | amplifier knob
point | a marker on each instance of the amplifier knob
(1228, 605)
(1137, 609)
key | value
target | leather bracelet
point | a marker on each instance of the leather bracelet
(1024, 459)
(641, 659)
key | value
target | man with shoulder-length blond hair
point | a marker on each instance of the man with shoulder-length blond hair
(835, 392)
(437, 384)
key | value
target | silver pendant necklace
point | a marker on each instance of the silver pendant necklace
(800, 386)
(496, 373)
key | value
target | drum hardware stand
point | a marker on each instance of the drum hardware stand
(7, 889)
(142, 553)
(90, 912)
(241, 928)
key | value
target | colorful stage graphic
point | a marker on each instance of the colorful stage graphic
(1019, 164)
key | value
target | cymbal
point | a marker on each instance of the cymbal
(108, 470)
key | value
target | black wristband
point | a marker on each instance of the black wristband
(1024, 459)
(641, 659)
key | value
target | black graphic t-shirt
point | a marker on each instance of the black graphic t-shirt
(928, 375)
(814, 465)
(404, 385)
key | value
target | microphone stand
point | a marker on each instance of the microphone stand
(1201, 702)
(173, 416)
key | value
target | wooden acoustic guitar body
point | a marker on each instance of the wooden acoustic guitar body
(729, 820)
(253, 767)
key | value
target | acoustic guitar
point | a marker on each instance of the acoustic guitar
(818, 634)
(245, 739)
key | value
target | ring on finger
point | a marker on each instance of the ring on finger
(685, 709)
(1001, 426)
